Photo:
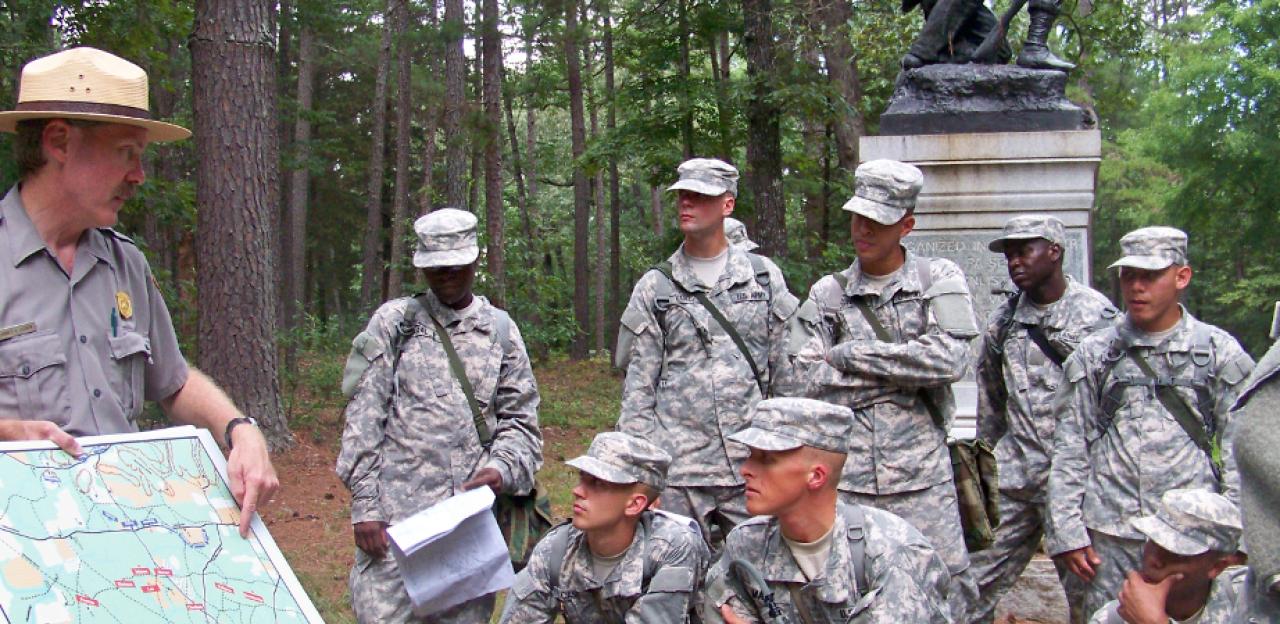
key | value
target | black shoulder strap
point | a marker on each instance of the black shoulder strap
(1180, 411)
(665, 269)
(460, 373)
(1037, 335)
(855, 524)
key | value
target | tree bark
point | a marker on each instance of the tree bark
(430, 123)
(294, 258)
(455, 69)
(581, 186)
(686, 97)
(404, 118)
(615, 207)
(477, 146)
(655, 207)
(764, 134)
(842, 69)
(371, 259)
(495, 217)
(234, 64)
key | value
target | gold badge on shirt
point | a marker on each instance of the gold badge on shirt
(124, 304)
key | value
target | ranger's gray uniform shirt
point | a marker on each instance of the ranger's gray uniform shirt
(76, 369)
(409, 440)
(687, 384)
(906, 580)
(1015, 396)
(1109, 470)
(677, 561)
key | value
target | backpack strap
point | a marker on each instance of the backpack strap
(555, 561)
(923, 273)
(855, 528)
(665, 269)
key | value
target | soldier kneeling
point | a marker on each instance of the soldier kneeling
(618, 560)
(807, 557)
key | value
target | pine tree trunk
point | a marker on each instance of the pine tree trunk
(764, 135)
(495, 217)
(294, 258)
(234, 63)
(404, 118)
(615, 207)
(371, 259)
(455, 69)
(842, 68)
(430, 122)
(581, 185)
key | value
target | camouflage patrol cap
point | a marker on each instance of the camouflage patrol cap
(1191, 522)
(707, 176)
(736, 232)
(884, 190)
(446, 237)
(1027, 227)
(1153, 248)
(785, 423)
(620, 458)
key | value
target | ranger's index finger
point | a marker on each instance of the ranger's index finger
(249, 507)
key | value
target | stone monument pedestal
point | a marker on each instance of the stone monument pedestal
(973, 183)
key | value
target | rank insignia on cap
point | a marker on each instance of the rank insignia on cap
(124, 304)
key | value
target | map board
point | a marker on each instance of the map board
(141, 529)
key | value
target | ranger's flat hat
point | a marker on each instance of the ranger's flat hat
(620, 458)
(736, 232)
(785, 423)
(1190, 522)
(87, 83)
(1028, 227)
(884, 190)
(706, 176)
(446, 237)
(1153, 248)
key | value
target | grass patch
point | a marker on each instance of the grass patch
(579, 400)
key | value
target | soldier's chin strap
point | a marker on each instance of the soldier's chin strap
(752, 584)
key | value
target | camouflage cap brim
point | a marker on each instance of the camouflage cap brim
(1168, 537)
(876, 211)
(997, 245)
(453, 257)
(700, 187)
(601, 470)
(765, 440)
(749, 245)
(1148, 263)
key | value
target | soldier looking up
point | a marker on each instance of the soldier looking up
(1187, 569)
(618, 561)
(1019, 370)
(887, 337)
(1144, 408)
(701, 342)
(410, 439)
(821, 559)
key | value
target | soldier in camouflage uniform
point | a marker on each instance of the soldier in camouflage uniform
(1190, 564)
(618, 561)
(736, 232)
(1255, 445)
(822, 559)
(1119, 445)
(688, 381)
(898, 459)
(410, 440)
(1017, 379)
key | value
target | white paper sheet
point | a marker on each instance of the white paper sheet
(452, 552)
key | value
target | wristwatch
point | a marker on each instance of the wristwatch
(233, 423)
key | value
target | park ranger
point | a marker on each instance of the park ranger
(85, 336)
(1143, 409)
(1255, 445)
(410, 439)
(619, 561)
(821, 559)
(1019, 370)
(701, 341)
(1190, 564)
(887, 337)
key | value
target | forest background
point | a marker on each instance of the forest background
(323, 128)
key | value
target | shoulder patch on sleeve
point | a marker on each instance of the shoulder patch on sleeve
(635, 320)
(785, 304)
(954, 285)
(1237, 369)
(808, 312)
(364, 350)
(954, 313)
(672, 579)
(1073, 369)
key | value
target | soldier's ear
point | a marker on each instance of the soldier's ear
(636, 504)
(1182, 276)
